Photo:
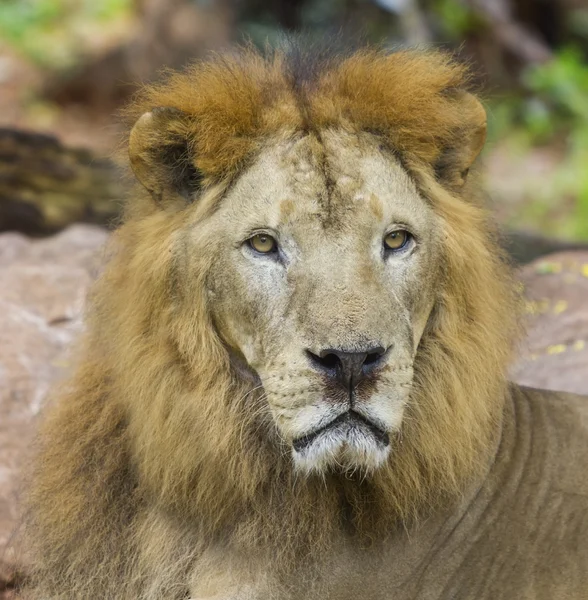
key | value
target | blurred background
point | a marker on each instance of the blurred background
(67, 65)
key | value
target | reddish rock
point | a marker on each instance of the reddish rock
(555, 353)
(43, 284)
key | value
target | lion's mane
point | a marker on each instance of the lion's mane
(157, 448)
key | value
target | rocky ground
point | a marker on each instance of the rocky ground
(43, 284)
(554, 354)
(42, 288)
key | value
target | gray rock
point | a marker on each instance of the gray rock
(555, 353)
(43, 284)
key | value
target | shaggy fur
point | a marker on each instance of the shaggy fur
(158, 449)
(414, 100)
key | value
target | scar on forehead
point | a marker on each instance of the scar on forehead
(376, 207)
(348, 185)
(287, 207)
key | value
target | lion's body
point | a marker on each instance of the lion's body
(521, 535)
(205, 448)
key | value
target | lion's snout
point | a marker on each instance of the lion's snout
(346, 421)
(346, 369)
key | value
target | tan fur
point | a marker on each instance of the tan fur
(159, 453)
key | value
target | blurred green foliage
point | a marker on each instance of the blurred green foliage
(561, 88)
(52, 32)
(551, 109)
(562, 85)
(454, 19)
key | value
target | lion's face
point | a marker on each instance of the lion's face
(323, 281)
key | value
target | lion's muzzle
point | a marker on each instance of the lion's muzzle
(347, 368)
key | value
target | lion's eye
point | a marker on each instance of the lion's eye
(263, 243)
(396, 240)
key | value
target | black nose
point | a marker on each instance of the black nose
(348, 368)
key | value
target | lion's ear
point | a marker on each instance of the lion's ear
(161, 157)
(455, 161)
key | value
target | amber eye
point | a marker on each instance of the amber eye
(263, 243)
(395, 240)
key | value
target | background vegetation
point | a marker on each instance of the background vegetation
(66, 65)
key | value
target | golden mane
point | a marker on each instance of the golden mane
(234, 102)
(157, 447)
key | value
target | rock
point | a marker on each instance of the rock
(45, 186)
(43, 284)
(526, 246)
(555, 353)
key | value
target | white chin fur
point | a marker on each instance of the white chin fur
(349, 450)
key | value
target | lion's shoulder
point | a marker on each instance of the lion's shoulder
(552, 431)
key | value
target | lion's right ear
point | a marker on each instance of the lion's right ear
(161, 156)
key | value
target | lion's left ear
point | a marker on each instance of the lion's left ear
(455, 161)
(162, 158)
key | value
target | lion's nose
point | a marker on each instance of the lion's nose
(348, 368)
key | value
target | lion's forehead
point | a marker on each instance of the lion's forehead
(332, 183)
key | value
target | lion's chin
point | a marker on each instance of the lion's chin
(348, 443)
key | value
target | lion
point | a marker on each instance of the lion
(293, 381)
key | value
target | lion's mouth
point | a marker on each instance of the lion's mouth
(349, 420)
